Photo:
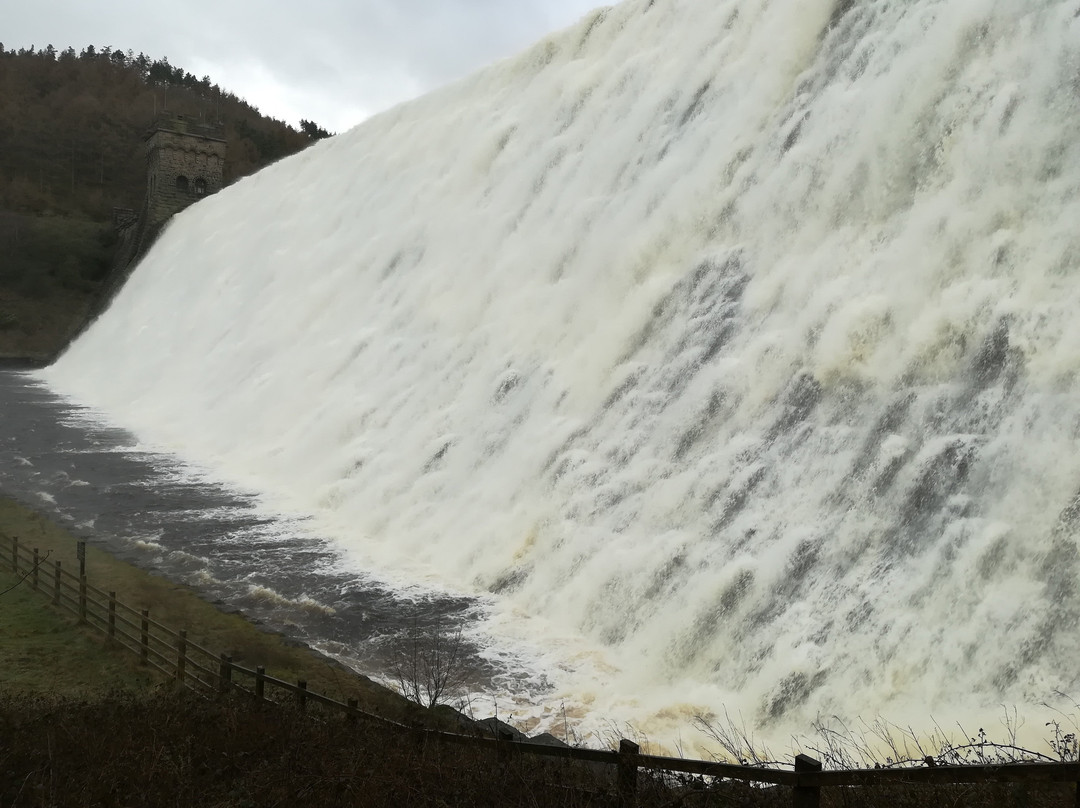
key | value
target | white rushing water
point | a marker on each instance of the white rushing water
(732, 342)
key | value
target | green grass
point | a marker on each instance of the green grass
(50, 273)
(43, 653)
(33, 636)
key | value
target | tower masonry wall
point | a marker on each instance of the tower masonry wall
(185, 162)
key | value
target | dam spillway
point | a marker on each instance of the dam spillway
(734, 342)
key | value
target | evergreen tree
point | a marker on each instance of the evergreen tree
(313, 130)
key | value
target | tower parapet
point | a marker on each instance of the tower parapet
(185, 162)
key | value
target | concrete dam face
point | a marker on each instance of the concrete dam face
(729, 348)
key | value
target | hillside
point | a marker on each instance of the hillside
(71, 150)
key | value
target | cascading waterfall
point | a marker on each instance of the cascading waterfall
(735, 339)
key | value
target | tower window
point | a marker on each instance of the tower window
(200, 187)
(182, 184)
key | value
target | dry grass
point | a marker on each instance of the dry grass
(170, 748)
(173, 749)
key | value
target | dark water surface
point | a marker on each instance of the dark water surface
(149, 510)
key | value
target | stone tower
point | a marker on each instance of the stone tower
(185, 159)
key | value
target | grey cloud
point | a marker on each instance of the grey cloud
(325, 59)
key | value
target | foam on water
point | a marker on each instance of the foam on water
(729, 344)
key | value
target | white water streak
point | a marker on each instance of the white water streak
(737, 339)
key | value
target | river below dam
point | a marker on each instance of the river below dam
(149, 509)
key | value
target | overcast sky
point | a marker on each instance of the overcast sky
(332, 61)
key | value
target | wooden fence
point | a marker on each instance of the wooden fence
(195, 667)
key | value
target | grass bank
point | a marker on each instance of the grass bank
(44, 654)
(33, 634)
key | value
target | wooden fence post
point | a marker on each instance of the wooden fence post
(56, 587)
(14, 553)
(82, 599)
(34, 576)
(626, 775)
(112, 615)
(419, 737)
(144, 639)
(224, 673)
(806, 796)
(181, 656)
(260, 682)
(301, 694)
(506, 751)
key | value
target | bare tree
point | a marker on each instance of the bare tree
(429, 668)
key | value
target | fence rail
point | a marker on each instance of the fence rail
(192, 666)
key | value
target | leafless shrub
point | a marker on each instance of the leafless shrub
(883, 744)
(429, 669)
(736, 741)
